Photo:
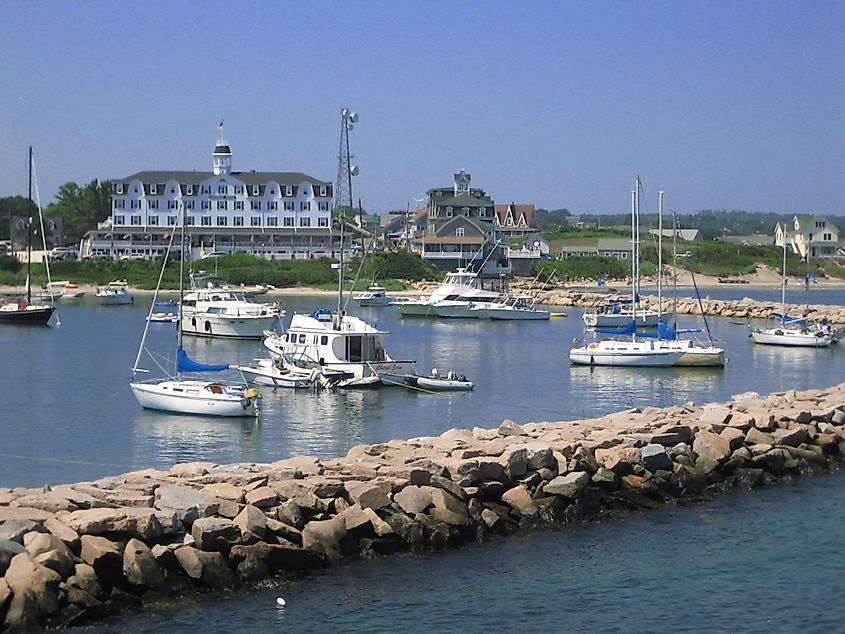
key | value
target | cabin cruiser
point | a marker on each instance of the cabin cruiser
(373, 296)
(337, 342)
(211, 309)
(114, 293)
(516, 307)
(461, 286)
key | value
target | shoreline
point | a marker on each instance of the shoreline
(78, 552)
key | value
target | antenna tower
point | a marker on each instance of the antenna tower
(345, 169)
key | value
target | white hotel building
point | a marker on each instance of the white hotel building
(275, 215)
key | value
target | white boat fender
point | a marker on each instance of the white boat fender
(280, 602)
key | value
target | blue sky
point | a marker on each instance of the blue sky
(724, 105)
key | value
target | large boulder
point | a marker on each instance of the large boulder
(103, 556)
(654, 457)
(13, 530)
(519, 499)
(712, 446)
(35, 592)
(568, 485)
(207, 568)
(140, 567)
(325, 536)
(368, 495)
(252, 523)
(188, 504)
(8, 549)
(448, 508)
(215, 534)
(413, 499)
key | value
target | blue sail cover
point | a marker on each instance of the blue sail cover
(186, 364)
(787, 319)
(630, 329)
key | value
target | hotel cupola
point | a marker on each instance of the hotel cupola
(222, 157)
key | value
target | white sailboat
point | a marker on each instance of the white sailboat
(631, 352)
(188, 396)
(793, 331)
(695, 353)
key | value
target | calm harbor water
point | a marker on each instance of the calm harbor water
(69, 415)
(759, 561)
(750, 561)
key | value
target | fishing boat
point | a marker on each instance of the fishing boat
(628, 352)
(178, 394)
(454, 295)
(25, 310)
(374, 296)
(114, 293)
(336, 342)
(212, 309)
(515, 307)
(793, 331)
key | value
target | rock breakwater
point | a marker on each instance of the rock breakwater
(745, 308)
(80, 551)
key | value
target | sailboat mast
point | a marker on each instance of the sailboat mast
(182, 270)
(634, 257)
(29, 236)
(783, 285)
(340, 274)
(659, 253)
(674, 268)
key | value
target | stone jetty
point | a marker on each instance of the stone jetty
(77, 552)
(745, 308)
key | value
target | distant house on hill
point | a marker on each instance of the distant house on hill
(691, 235)
(752, 240)
(811, 234)
(619, 248)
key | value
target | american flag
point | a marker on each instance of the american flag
(220, 126)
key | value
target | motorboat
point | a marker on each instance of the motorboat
(114, 293)
(454, 285)
(54, 292)
(180, 394)
(452, 382)
(336, 342)
(516, 307)
(373, 296)
(271, 373)
(163, 318)
(462, 306)
(211, 309)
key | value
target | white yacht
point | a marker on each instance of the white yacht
(462, 306)
(516, 307)
(451, 288)
(373, 296)
(210, 309)
(114, 293)
(338, 342)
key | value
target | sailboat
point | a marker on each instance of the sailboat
(633, 352)
(793, 331)
(695, 354)
(188, 396)
(23, 311)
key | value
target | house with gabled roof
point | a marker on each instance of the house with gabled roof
(514, 220)
(460, 228)
(810, 234)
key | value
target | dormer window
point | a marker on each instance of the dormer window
(482, 212)
(322, 190)
(255, 190)
(450, 211)
(118, 188)
(459, 232)
(153, 189)
(465, 211)
(288, 190)
(189, 189)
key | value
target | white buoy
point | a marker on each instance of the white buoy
(280, 602)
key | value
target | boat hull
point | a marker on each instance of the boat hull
(791, 338)
(30, 316)
(454, 310)
(444, 385)
(161, 396)
(514, 314)
(232, 327)
(270, 376)
(636, 356)
(114, 300)
(416, 309)
(702, 359)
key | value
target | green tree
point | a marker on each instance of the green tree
(81, 208)
(13, 206)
